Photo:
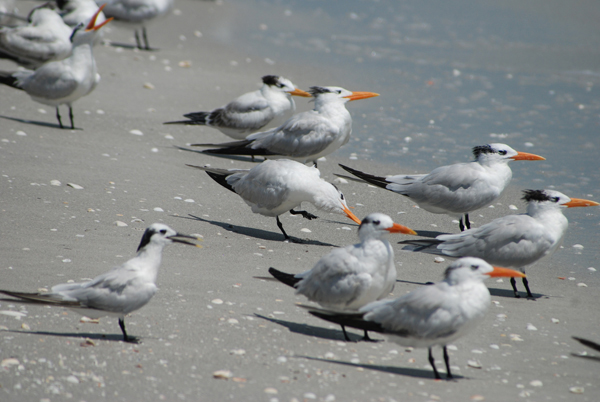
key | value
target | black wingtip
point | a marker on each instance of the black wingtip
(369, 178)
(285, 278)
(221, 179)
(353, 320)
(588, 343)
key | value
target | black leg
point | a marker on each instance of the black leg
(367, 338)
(280, 226)
(305, 215)
(447, 361)
(58, 117)
(315, 164)
(467, 221)
(346, 337)
(526, 284)
(137, 39)
(145, 38)
(71, 117)
(513, 282)
(432, 362)
(460, 224)
(126, 338)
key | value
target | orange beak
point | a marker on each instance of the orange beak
(299, 92)
(92, 22)
(524, 156)
(361, 95)
(499, 271)
(580, 202)
(397, 228)
(350, 215)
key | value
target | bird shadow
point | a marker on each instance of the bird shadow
(587, 357)
(230, 157)
(131, 46)
(39, 123)
(311, 330)
(408, 372)
(82, 335)
(256, 233)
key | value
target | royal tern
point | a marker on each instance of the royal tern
(251, 111)
(44, 39)
(305, 137)
(120, 291)
(458, 189)
(62, 82)
(350, 277)
(277, 186)
(430, 315)
(136, 14)
(515, 241)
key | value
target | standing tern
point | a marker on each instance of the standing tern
(44, 39)
(120, 291)
(515, 241)
(62, 82)
(305, 137)
(430, 315)
(277, 186)
(348, 278)
(136, 14)
(458, 189)
(251, 111)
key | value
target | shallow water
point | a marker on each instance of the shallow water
(453, 75)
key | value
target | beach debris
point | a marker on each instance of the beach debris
(87, 343)
(11, 361)
(87, 320)
(75, 186)
(271, 391)
(136, 132)
(474, 364)
(531, 327)
(55, 183)
(217, 301)
(577, 390)
(25, 327)
(148, 85)
(120, 223)
(222, 374)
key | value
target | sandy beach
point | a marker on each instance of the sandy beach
(74, 203)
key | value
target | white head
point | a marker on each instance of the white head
(377, 225)
(86, 33)
(494, 153)
(160, 235)
(280, 84)
(325, 95)
(475, 269)
(328, 198)
(538, 200)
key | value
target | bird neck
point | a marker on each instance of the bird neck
(149, 259)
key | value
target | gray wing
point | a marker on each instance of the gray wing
(51, 81)
(511, 241)
(244, 113)
(302, 135)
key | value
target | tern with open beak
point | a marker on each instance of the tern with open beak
(120, 291)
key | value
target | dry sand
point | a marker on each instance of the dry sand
(211, 313)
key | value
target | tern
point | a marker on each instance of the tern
(120, 291)
(277, 186)
(136, 14)
(348, 278)
(305, 137)
(251, 111)
(458, 189)
(430, 315)
(515, 241)
(62, 82)
(45, 38)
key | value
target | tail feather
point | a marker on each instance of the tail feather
(195, 119)
(285, 278)
(218, 175)
(40, 298)
(369, 178)
(353, 320)
(7, 78)
(235, 148)
(587, 343)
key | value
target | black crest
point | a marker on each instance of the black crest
(482, 149)
(146, 238)
(314, 91)
(535, 195)
(270, 79)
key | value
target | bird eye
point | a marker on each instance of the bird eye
(554, 199)
(376, 222)
(502, 152)
(339, 91)
(341, 196)
(279, 85)
(474, 267)
(163, 231)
